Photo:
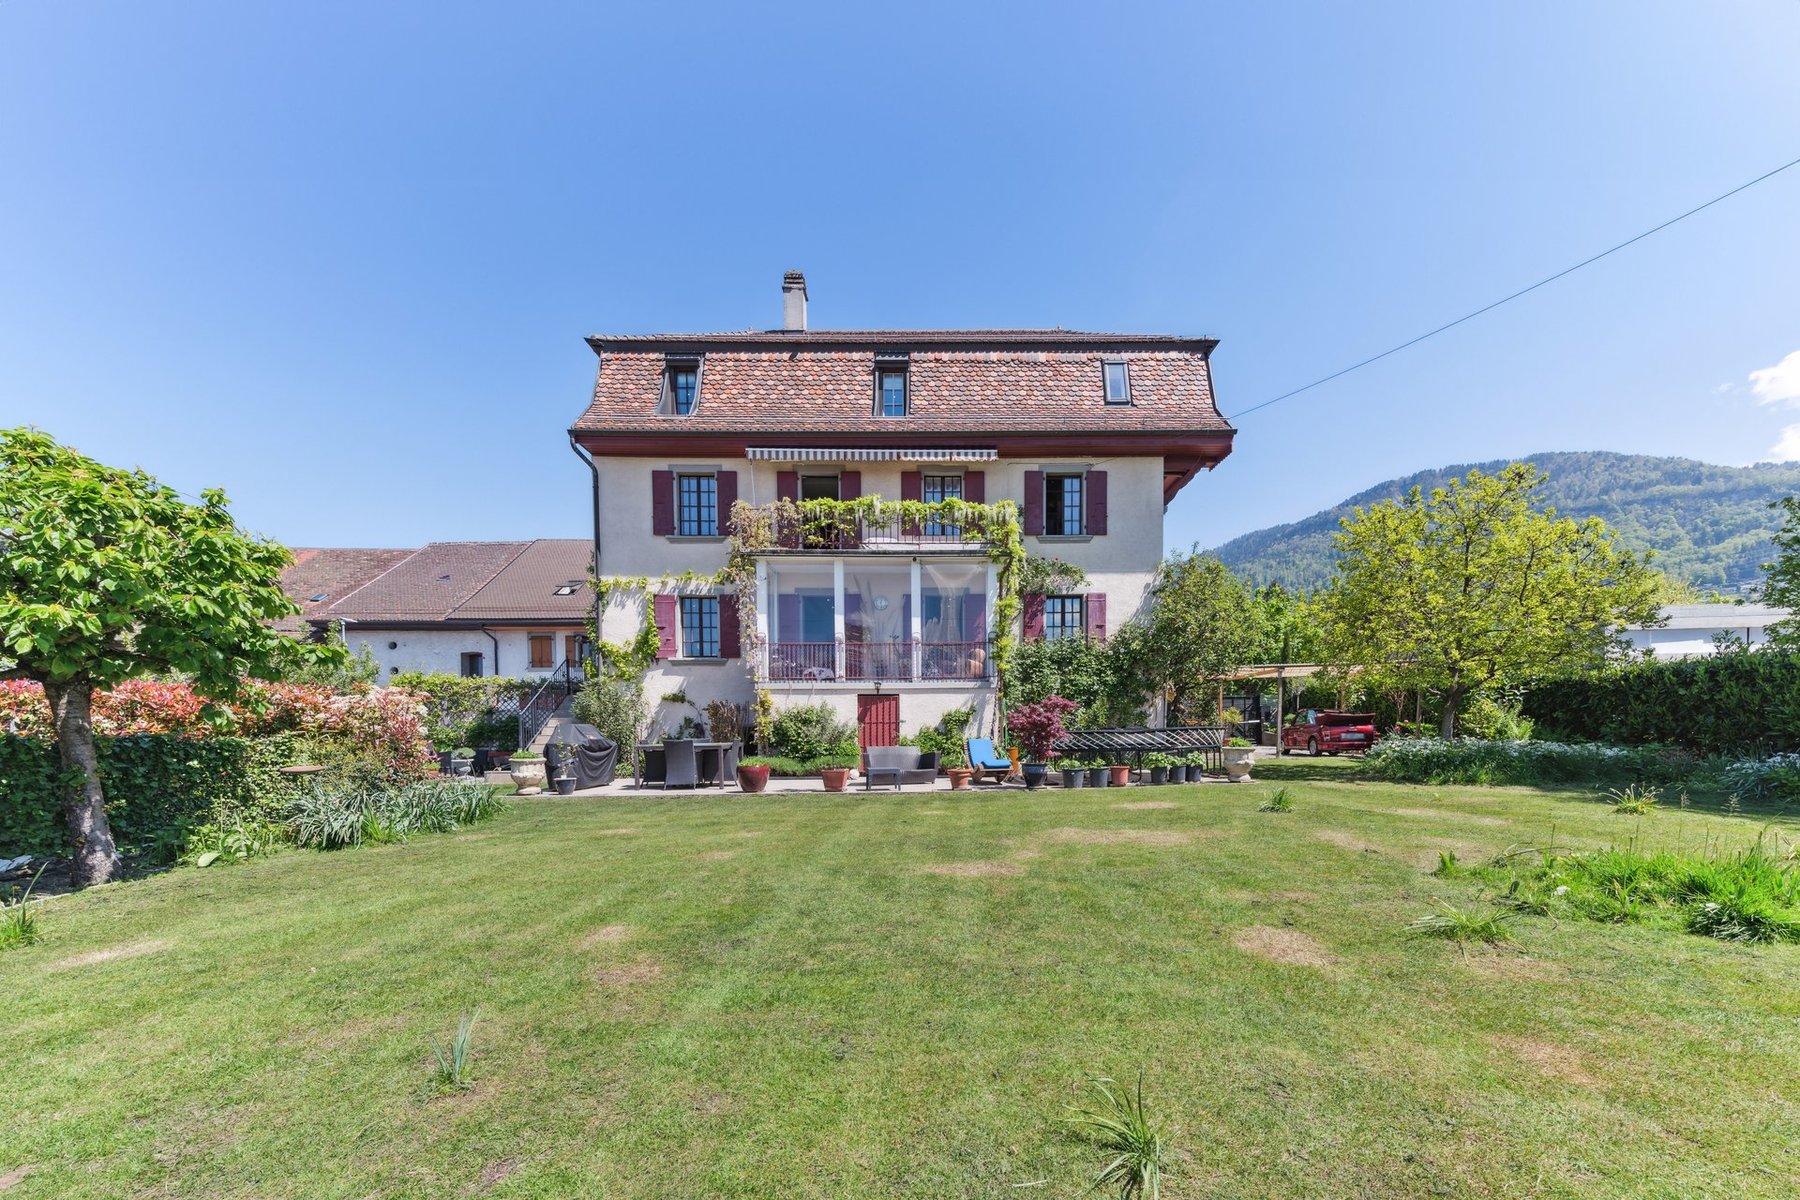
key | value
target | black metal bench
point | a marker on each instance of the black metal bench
(1120, 745)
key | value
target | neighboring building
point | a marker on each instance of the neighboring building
(1691, 630)
(467, 608)
(321, 576)
(1091, 434)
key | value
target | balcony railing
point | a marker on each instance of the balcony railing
(887, 661)
(889, 532)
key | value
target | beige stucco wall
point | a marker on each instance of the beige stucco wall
(1121, 563)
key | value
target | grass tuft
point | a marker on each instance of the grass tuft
(19, 918)
(451, 1073)
(1277, 801)
(1121, 1125)
(1634, 800)
(1455, 925)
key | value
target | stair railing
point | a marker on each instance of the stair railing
(541, 705)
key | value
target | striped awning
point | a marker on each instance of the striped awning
(867, 454)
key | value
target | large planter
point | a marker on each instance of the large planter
(1238, 761)
(959, 778)
(462, 766)
(1096, 777)
(835, 778)
(1073, 777)
(1159, 775)
(753, 778)
(1118, 775)
(1034, 774)
(527, 775)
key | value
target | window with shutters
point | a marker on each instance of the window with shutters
(700, 627)
(543, 650)
(697, 506)
(1062, 505)
(1064, 616)
(681, 387)
(934, 488)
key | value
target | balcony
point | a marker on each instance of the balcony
(806, 529)
(889, 662)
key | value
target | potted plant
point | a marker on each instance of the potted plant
(462, 760)
(835, 775)
(752, 776)
(1159, 765)
(1119, 774)
(527, 770)
(1240, 756)
(959, 778)
(1074, 772)
(1037, 728)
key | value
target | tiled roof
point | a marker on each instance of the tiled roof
(494, 582)
(330, 573)
(965, 383)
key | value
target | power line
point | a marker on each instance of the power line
(1522, 291)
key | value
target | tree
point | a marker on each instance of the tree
(1477, 585)
(107, 575)
(1781, 578)
(1203, 623)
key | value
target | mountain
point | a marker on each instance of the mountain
(1708, 524)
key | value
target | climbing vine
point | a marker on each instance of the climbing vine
(757, 530)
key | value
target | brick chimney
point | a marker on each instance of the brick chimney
(793, 302)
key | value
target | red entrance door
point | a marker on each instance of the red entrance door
(878, 721)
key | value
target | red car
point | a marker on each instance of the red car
(1314, 730)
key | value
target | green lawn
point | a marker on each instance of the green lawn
(897, 995)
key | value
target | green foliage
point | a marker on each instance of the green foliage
(1121, 1125)
(789, 768)
(330, 819)
(451, 1063)
(1478, 586)
(1495, 717)
(1202, 624)
(1633, 800)
(1728, 704)
(1277, 801)
(236, 842)
(1287, 627)
(156, 784)
(1456, 925)
(1747, 895)
(1044, 575)
(19, 918)
(614, 706)
(811, 732)
(1532, 764)
(1709, 525)
(343, 673)
(1781, 581)
(948, 739)
(1102, 677)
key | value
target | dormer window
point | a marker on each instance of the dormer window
(1118, 381)
(681, 387)
(891, 399)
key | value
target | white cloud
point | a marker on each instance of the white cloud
(1779, 385)
(1787, 446)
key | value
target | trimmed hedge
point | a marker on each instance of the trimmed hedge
(155, 783)
(1742, 705)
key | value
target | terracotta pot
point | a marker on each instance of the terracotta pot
(834, 777)
(753, 778)
(1120, 775)
(959, 778)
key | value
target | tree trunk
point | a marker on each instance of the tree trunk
(1447, 722)
(84, 805)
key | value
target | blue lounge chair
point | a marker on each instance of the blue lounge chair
(985, 760)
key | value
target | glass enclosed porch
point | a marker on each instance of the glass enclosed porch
(857, 620)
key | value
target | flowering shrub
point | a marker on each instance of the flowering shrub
(1774, 780)
(1040, 726)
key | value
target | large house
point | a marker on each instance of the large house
(1089, 434)
(468, 608)
(1697, 630)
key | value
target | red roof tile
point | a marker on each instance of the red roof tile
(487, 582)
(329, 573)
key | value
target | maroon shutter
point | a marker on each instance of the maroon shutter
(730, 639)
(662, 503)
(1034, 507)
(1032, 604)
(975, 487)
(787, 485)
(667, 636)
(849, 485)
(726, 495)
(1096, 616)
(911, 485)
(1096, 502)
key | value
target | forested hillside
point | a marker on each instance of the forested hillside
(1708, 524)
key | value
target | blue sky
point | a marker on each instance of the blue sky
(338, 258)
